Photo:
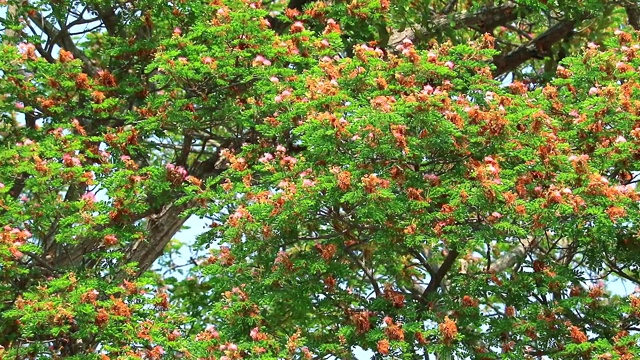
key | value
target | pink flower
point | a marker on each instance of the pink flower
(593, 91)
(281, 149)
(232, 347)
(308, 183)
(432, 178)
(266, 157)
(70, 161)
(159, 349)
(261, 60)
(2, 186)
(297, 27)
(27, 50)
(89, 197)
(274, 79)
(177, 31)
(212, 330)
(176, 174)
(19, 106)
(289, 161)
(284, 95)
(207, 60)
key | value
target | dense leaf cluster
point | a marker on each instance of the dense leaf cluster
(442, 178)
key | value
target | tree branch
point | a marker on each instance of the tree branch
(63, 40)
(436, 280)
(161, 227)
(537, 48)
(485, 20)
(510, 258)
(367, 272)
(633, 13)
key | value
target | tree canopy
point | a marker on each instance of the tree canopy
(413, 178)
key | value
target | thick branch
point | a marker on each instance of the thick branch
(298, 4)
(633, 13)
(161, 229)
(537, 48)
(484, 20)
(436, 280)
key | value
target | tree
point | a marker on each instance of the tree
(438, 178)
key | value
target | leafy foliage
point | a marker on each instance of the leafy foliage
(448, 178)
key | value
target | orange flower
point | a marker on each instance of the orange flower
(361, 321)
(510, 311)
(119, 308)
(102, 317)
(394, 332)
(577, 335)
(383, 346)
(615, 212)
(448, 329)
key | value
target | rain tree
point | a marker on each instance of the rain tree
(449, 179)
